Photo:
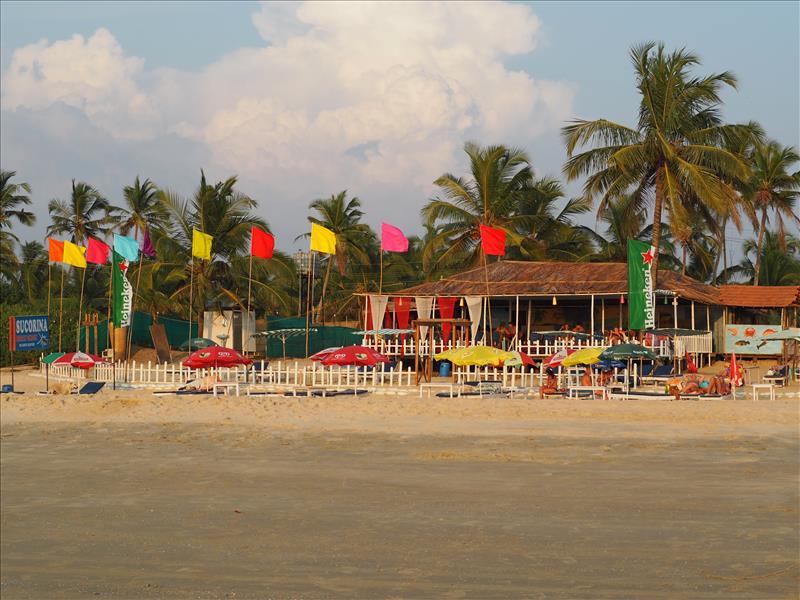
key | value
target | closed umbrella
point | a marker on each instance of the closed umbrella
(584, 356)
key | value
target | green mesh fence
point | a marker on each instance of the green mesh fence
(323, 337)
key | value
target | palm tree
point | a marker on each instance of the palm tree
(779, 260)
(353, 238)
(12, 197)
(32, 270)
(544, 230)
(223, 212)
(86, 214)
(142, 209)
(678, 148)
(773, 188)
(489, 197)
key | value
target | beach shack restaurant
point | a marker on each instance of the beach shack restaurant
(541, 307)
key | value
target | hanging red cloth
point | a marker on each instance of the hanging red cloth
(447, 306)
(369, 316)
(402, 311)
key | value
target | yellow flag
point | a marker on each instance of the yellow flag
(322, 239)
(201, 244)
(74, 255)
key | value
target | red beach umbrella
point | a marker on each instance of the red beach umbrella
(555, 360)
(323, 354)
(215, 356)
(354, 355)
(80, 360)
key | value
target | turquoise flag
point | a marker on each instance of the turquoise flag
(126, 247)
(641, 300)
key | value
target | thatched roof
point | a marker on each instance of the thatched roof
(524, 278)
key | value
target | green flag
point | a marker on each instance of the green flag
(122, 291)
(641, 300)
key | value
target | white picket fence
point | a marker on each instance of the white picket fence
(278, 373)
(393, 347)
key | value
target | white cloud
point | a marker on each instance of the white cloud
(91, 74)
(374, 97)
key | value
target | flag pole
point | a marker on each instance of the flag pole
(488, 304)
(380, 279)
(133, 307)
(109, 334)
(191, 288)
(49, 267)
(80, 311)
(249, 284)
(61, 309)
(309, 301)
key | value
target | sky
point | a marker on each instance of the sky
(303, 100)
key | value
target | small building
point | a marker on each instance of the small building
(535, 297)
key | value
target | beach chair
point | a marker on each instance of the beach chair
(779, 375)
(92, 387)
(660, 374)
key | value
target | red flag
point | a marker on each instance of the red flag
(97, 252)
(736, 372)
(56, 250)
(493, 241)
(690, 366)
(261, 243)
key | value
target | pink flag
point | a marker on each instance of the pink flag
(147, 245)
(392, 239)
(96, 252)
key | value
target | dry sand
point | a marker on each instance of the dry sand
(130, 495)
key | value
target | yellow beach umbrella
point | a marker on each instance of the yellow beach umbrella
(475, 356)
(584, 356)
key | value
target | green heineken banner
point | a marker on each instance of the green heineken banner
(122, 291)
(641, 300)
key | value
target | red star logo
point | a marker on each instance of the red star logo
(123, 266)
(648, 256)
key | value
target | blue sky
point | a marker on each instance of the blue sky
(175, 57)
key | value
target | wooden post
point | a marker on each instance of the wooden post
(61, 308)
(603, 315)
(692, 314)
(592, 317)
(675, 312)
(516, 324)
(80, 310)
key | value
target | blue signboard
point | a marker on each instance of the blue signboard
(28, 333)
(749, 339)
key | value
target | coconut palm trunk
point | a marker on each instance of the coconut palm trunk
(760, 244)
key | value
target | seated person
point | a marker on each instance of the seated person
(565, 327)
(606, 377)
(586, 378)
(550, 385)
(578, 328)
(510, 333)
(498, 334)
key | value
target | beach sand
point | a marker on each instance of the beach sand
(130, 495)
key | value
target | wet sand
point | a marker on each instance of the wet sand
(193, 510)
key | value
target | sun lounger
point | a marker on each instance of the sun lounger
(92, 387)
(182, 393)
(658, 375)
